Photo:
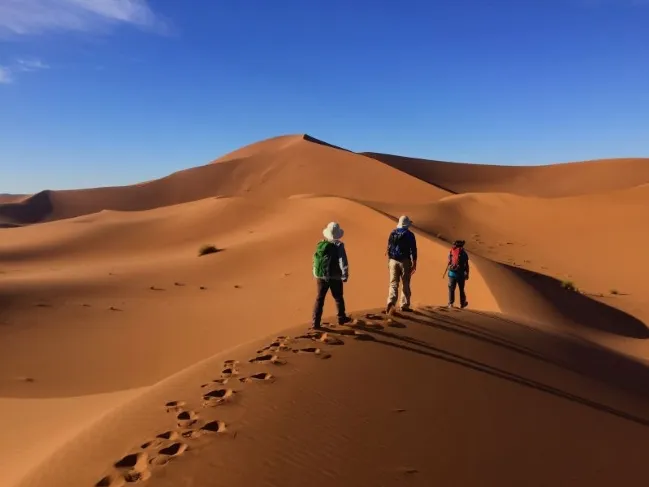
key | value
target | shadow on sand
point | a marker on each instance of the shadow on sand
(420, 347)
(581, 357)
(578, 308)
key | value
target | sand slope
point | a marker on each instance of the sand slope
(575, 178)
(450, 396)
(107, 313)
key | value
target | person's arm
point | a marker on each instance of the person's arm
(413, 250)
(466, 272)
(387, 248)
(342, 261)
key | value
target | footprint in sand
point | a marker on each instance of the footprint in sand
(208, 428)
(215, 427)
(134, 467)
(315, 351)
(260, 377)
(229, 372)
(186, 419)
(166, 454)
(216, 381)
(112, 480)
(278, 345)
(161, 439)
(323, 337)
(267, 359)
(174, 406)
(217, 397)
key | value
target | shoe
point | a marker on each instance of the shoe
(346, 319)
(316, 327)
(450, 305)
(406, 309)
(464, 305)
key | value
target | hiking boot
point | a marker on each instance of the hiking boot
(316, 326)
(450, 305)
(389, 309)
(464, 304)
(345, 320)
(406, 309)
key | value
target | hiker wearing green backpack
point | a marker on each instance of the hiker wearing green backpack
(402, 262)
(331, 270)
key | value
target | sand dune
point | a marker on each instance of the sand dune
(275, 168)
(107, 313)
(575, 178)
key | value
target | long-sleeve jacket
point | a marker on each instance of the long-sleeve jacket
(407, 245)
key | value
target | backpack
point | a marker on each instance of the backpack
(396, 245)
(458, 259)
(323, 258)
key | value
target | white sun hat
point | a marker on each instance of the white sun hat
(404, 222)
(333, 231)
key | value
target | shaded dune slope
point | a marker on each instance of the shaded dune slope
(574, 178)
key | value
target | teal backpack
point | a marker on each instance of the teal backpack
(322, 258)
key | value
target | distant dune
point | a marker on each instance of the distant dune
(125, 357)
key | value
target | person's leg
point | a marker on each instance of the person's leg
(460, 284)
(395, 276)
(321, 293)
(406, 267)
(337, 291)
(452, 283)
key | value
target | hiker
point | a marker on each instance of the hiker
(458, 272)
(331, 270)
(402, 262)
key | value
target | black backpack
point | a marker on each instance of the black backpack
(398, 245)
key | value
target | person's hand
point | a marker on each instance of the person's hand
(414, 268)
(466, 276)
(344, 279)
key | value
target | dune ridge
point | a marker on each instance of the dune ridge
(102, 292)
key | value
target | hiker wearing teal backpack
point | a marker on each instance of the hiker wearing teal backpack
(402, 262)
(331, 270)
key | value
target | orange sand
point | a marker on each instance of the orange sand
(107, 313)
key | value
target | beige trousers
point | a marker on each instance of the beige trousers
(399, 271)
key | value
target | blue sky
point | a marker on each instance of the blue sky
(111, 92)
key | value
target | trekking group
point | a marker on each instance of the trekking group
(331, 270)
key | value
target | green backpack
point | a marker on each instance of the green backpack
(322, 258)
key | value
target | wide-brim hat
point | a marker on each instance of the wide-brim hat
(333, 231)
(404, 222)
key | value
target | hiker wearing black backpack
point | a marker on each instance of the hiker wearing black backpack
(402, 262)
(458, 273)
(331, 270)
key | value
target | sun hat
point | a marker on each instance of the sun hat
(333, 231)
(404, 222)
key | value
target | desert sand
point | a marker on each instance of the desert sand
(126, 358)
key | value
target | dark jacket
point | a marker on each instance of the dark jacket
(407, 245)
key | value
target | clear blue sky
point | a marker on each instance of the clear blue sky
(105, 92)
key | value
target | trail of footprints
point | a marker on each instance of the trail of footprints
(157, 452)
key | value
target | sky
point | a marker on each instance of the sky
(112, 92)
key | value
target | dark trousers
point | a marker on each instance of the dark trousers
(454, 282)
(336, 286)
